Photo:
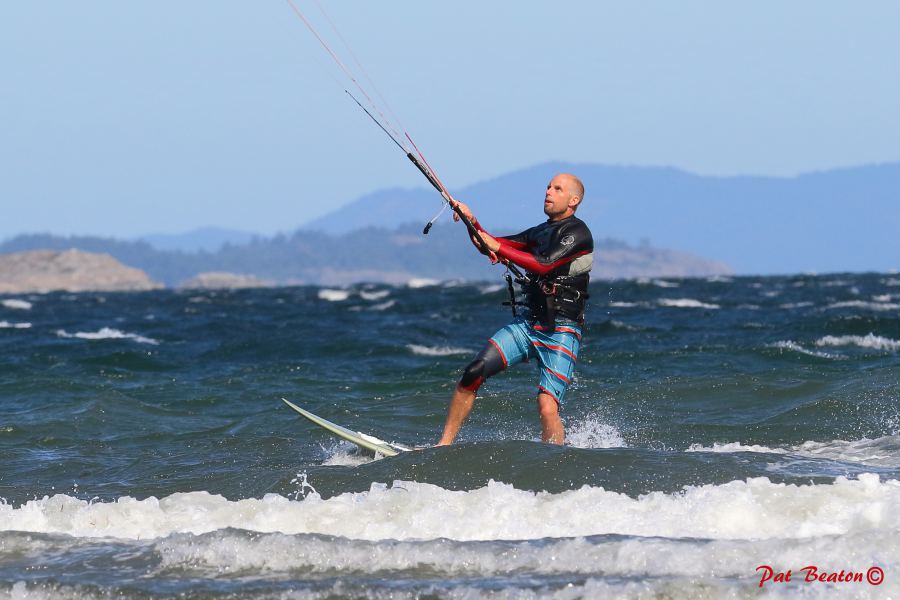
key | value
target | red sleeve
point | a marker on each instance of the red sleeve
(501, 240)
(527, 261)
(512, 244)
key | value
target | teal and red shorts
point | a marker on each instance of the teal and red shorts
(555, 351)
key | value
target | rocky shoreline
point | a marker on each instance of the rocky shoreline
(41, 271)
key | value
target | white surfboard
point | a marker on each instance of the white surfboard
(362, 440)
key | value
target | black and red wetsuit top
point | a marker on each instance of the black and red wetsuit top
(558, 255)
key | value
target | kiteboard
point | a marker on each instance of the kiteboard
(362, 440)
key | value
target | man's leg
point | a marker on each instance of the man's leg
(488, 362)
(460, 406)
(551, 425)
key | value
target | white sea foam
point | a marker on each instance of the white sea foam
(892, 282)
(685, 303)
(594, 433)
(793, 305)
(107, 333)
(730, 447)
(8, 325)
(623, 326)
(436, 350)
(372, 296)
(377, 307)
(333, 295)
(883, 451)
(16, 304)
(420, 282)
(871, 341)
(795, 347)
(490, 289)
(880, 452)
(555, 569)
(882, 298)
(383, 305)
(622, 304)
(665, 284)
(346, 454)
(629, 557)
(877, 306)
(753, 509)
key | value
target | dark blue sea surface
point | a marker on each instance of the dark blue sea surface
(713, 426)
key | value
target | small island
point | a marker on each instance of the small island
(41, 271)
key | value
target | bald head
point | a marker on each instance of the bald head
(563, 196)
(573, 186)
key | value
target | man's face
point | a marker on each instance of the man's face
(557, 197)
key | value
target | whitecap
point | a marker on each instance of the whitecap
(632, 568)
(372, 296)
(870, 341)
(490, 289)
(436, 350)
(753, 509)
(8, 325)
(730, 447)
(622, 304)
(793, 305)
(16, 304)
(665, 284)
(420, 282)
(107, 333)
(878, 306)
(685, 303)
(383, 305)
(623, 326)
(594, 433)
(795, 347)
(881, 452)
(333, 295)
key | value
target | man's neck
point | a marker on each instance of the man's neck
(562, 217)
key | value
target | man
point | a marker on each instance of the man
(557, 256)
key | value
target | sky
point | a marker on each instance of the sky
(130, 118)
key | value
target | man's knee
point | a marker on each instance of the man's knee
(473, 376)
(486, 364)
(547, 405)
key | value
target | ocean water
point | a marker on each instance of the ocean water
(714, 427)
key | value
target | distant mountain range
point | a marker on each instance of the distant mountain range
(204, 239)
(837, 220)
(840, 220)
(371, 254)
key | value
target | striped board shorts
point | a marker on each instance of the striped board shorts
(556, 351)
